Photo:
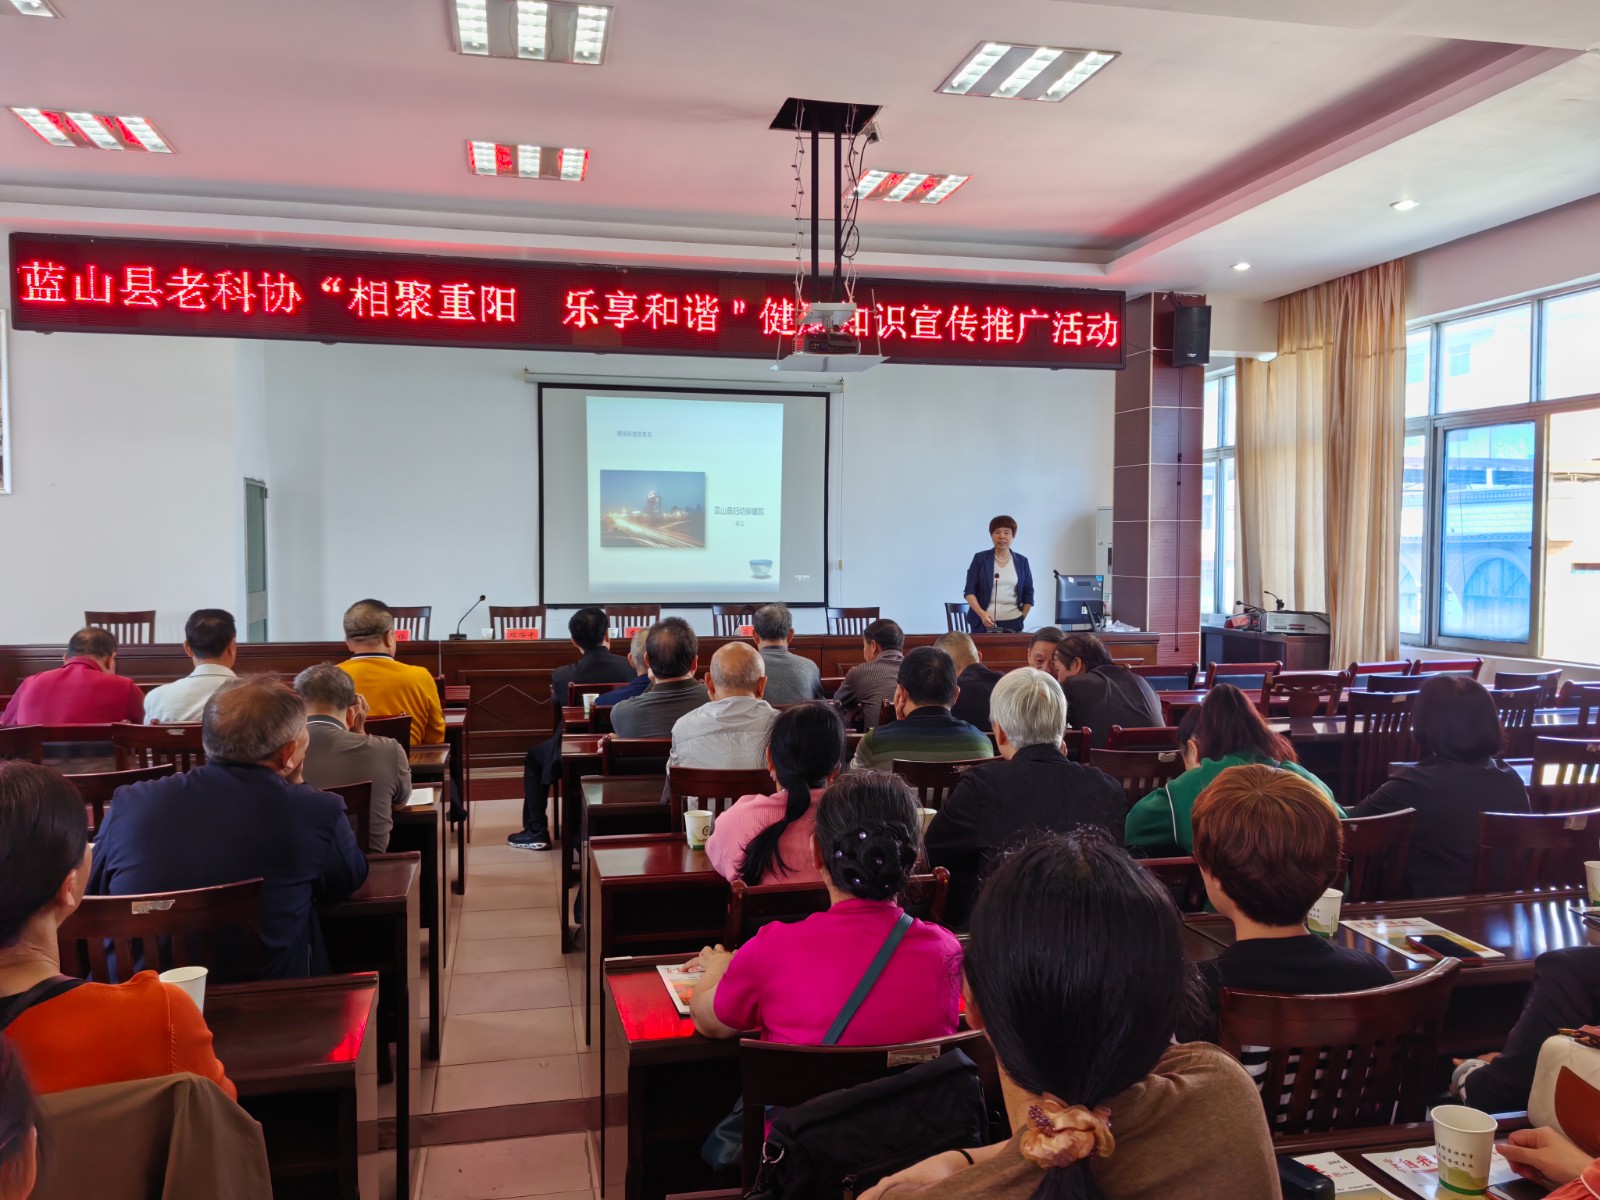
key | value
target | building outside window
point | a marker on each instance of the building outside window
(1219, 499)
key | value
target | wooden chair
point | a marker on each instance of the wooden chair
(749, 908)
(1181, 878)
(1140, 772)
(1344, 1061)
(714, 791)
(955, 617)
(1548, 683)
(932, 781)
(1447, 666)
(357, 799)
(1170, 678)
(397, 727)
(1522, 852)
(1247, 677)
(1566, 775)
(924, 896)
(516, 616)
(22, 741)
(1377, 732)
(831, 684)
(624, 617)
(1397, 685)
(136, 627)
(97, 787)
(1360, 673)
(850, 620)
(1375, 853)
(1143, 737)
(1075, 743)
(1516, 707)
(577, 691)
(214, 927)
(151, 745)
(1585, 697)
(1309, 693)
(726, 618)
(635, 756)
(416, 621)
(457, 695)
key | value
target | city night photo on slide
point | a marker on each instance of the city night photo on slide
(664, 510)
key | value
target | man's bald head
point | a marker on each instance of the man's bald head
(738, 670)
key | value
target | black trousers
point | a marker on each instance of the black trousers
(538, 773)
(1565, 995)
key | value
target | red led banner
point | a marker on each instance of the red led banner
(112, 285)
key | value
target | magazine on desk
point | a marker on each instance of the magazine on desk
(1348, 1181)
(680, 985)
(1393, 932)
(1419, 1170)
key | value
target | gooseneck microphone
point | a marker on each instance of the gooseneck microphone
(458, 636)
(1275, 596)
(994, 601)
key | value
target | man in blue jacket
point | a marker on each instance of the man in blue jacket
(244, 814)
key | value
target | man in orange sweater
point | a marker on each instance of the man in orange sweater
(390, 686)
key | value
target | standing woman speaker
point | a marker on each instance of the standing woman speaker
(999, 583)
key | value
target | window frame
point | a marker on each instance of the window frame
(1215, 456)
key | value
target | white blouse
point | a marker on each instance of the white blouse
(1003, 604)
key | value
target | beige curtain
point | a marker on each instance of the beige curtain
(1320, 432)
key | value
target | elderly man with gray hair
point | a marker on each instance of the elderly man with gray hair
(342, 752)
(730, 732)
(246, 813)
(791, 679)
(1031, 788)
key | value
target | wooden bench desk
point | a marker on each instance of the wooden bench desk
(580, 756)
(1354, 1144)
(457, 735)
(421, 828)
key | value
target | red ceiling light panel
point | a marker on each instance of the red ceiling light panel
(907, 187)
(70, 129)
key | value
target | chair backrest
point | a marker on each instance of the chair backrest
(1548, 683)
(1309, 693)
(416, 620)
(726, 618)
(1361, 672)
(749, 908)
(150, 745)
(932, 781)
(577, 691)
(1566, 775)
(1345, 1061)
(1247, 677)
(457, 695)
(1397, 685)
(1140, 772)
(714, 791)
(1585, 697)
(21, 741)
(634, 756)
(97, 787)
(1516, 707)
(357, 799)
(1181, 878)
(623, 617)
(1375, 853)
(1075, 743)
(831, 684)
(850, 620)
(1377, 732)
(1522, 852)
(397, 727)
(516, 616)
(1447, 666)
(1143, 737)
(108, 938)
(1169, 678)
(137, 627)
(955, 616)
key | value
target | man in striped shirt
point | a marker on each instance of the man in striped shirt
(923, 728)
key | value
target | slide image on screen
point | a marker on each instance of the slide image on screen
(662, 510)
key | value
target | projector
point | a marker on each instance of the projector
(827, 316)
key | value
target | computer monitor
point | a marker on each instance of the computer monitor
(1079, 596)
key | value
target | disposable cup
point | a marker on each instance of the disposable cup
(588, 703)
(928, 814)
(1323, 919)
(697, 825)
(1464, 1145)
(192, 980)
(488, 634)
(1592, 870)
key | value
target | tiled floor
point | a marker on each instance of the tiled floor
(513, 1032)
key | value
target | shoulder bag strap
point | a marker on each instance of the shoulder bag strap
(859, 996)
(49, 989)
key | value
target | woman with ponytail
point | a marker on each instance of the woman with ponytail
(1075, 973)
(767, 839)
(790, 982)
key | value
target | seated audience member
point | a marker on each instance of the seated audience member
(589, 629)
(341, 752)
(1565, 995)
(390, 686)
(672, 650)
(211, 640)
(1268, 844)
(19, 1128)
(767, 839)
(1042, 649)
(729, 732)
(923, 728)
(791, 980)
(72, 1034)
(791, 679)
(245, 814)
(641, 679)
(1457, 780)
(868, 684)
(974, 680)
(1547, 1157)
(1075, 973)
(1229, 732)
(1100, 693)
(86, 690)
(1033, 787)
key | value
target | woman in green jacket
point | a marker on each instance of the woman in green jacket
(1228, 732)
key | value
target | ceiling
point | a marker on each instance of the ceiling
(1270, 131)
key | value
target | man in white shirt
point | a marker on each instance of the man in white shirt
(211, 639)
(730, 732)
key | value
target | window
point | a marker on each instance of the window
(1413, 515)
(1487, 550)
(1572, 536)
(1219, 498)
(1484, 360)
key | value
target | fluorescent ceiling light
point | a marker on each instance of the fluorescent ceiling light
(34, 8)
(905, 187)
(93, 131)
(522, 161)
(941, 191)
(1087, 66)
(472, 26)
(1241, 266)
(533, 29)
(528, 161)
(978, 64)
(1405, 205)
(589, 34)
(574, 164)
(1010, 72)
(557, 31)
(143, 133)
(1027, 72)
(35, 120)
(898, 187)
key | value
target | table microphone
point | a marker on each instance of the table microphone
(458, 636)
(994, 601)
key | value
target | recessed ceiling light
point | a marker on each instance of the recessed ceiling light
(34, 8)
(1405, 205)
(559, 31)
(1010, 72)
(898, 187)
(93, 131)
(527, 162)
(1241, 266)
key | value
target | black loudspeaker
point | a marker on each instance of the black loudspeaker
(1191, 335)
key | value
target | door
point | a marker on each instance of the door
(255, 560)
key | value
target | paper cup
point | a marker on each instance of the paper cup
(192, 980)
(928, 814)
(588, 703)
(1464, 1145)
(1592, 871)
(697, 825)
(488, 634)
(1323, 919)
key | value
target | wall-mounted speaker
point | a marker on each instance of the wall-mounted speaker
(1191, 335)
